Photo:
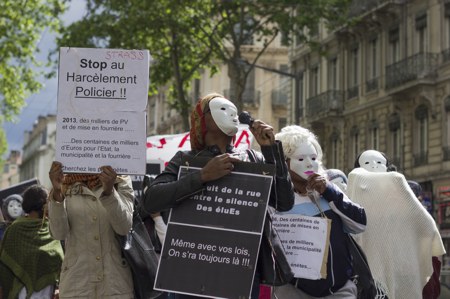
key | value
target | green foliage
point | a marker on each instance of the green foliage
(263, 21)
(185, 37)
(21, 25)
(169, 29)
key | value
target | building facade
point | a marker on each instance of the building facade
(38, 150)
(384, 84)
(265, 96)
(10, 175)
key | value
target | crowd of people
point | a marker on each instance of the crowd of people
(62, 243)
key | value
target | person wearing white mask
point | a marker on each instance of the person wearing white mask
(12, 208)
(374, 161)
(316, 196)
(214, 124)
(401, 236)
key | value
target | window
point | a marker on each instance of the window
(374, 136)
(244, 31)
(421, 114)
(284, 38)
(354, 137)
(372, 59)
(421, 32)
(395, 138)
(334, 138)
(353, 67)
(446, 148)
(447, 25)
(282, 122)
(332, 74)
(284, 80)
(299, 88)
(44, 136)
(314, 81)
(250, 96)
(353, 73)
(394, 45)
(423, 131)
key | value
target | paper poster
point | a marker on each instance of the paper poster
(306, 242)
(101, 117)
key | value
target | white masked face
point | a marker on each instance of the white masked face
(304, 160)
(14, 209)
(224, 114)
(373, 161)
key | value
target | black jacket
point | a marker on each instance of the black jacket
(166, 190)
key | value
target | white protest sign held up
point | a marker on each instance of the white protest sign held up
(305, 240)
(164, 147)
(101, 119)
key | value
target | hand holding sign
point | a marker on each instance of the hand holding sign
(218, 167)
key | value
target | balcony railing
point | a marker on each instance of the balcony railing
(420, 158)
(419, 66)
(325, 103)
(446, 55)
(279, 98)
(352, 92)
(359, 7)
(249, 97)
(371, 84)
(446, 151)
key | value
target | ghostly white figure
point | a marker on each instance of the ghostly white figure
(401, 237)
(373, 161)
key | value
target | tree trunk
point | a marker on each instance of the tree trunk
(238, 78)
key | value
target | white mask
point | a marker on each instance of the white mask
(373, 161)
(14, 209)
(224, 114)
(304, 160)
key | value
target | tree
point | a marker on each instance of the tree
(185, 37)
(169, 29)
(243, 22)
(21, 25)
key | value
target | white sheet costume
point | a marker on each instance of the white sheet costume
(401, 236)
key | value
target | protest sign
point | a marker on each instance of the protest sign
(212, 240)
(101, 119)
(305, 240)
(164, 147)
(16, 189)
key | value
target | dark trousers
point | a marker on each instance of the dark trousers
(254, 294)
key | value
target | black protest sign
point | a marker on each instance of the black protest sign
(237, 201)
(213, 238)
(16, 189)
(207, 262)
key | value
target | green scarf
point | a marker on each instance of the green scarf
(29, 257)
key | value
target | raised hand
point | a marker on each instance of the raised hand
(316, 182)
(108, 177)
(263, 133)
(218, 167)
(56, 176)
